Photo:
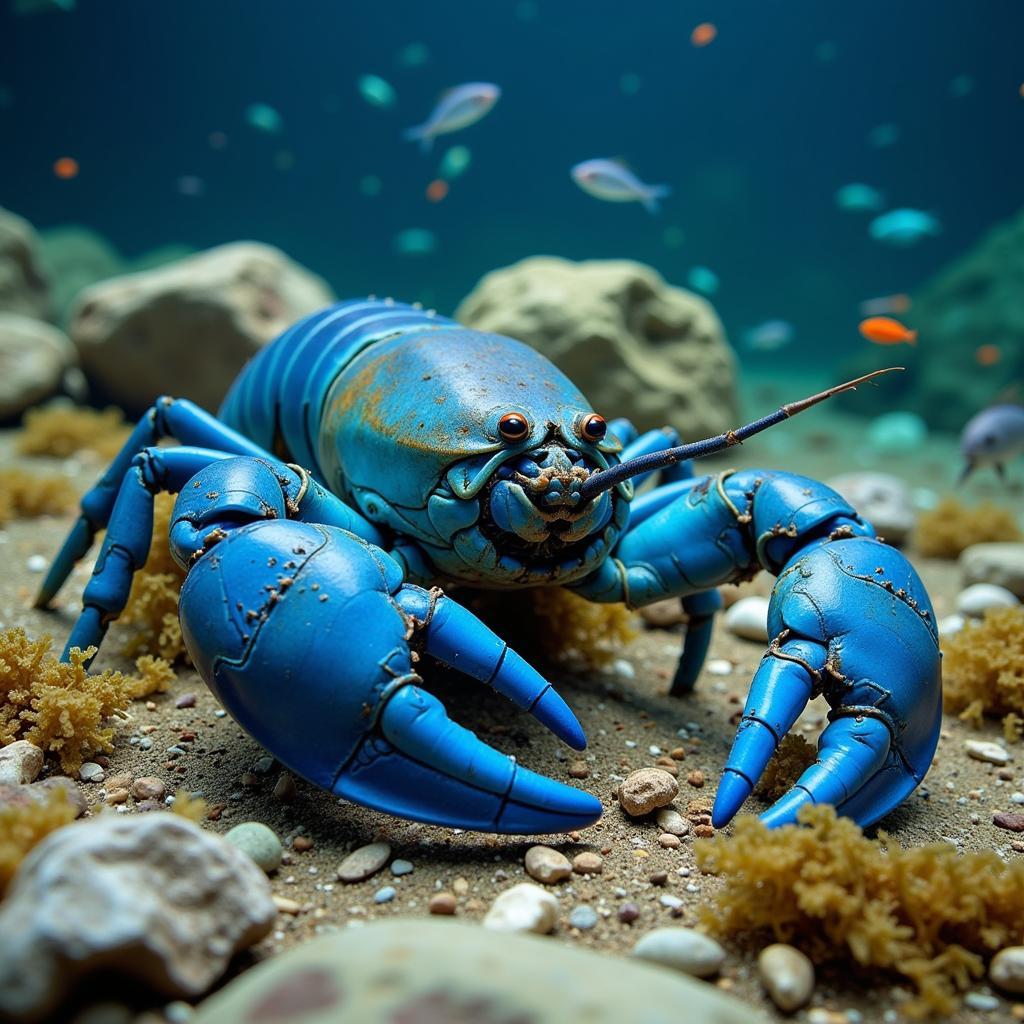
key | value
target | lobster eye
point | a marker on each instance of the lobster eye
(513, 426)
(593, 427)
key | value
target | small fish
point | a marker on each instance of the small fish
(65, 168)
(613, 181)
(458, 108)
(703, 34)
(904, 227)
(769, 336)
(858, 198)
(883, 330)
(885, 304)
(987, 355)
(376, 91)
(992, 438)
(264, 117)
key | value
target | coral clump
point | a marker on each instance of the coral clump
(925, 913)
(25, 495)
(23, 825)
(786, 765)
(983, 669)
(950, 528)
(579, 630)
(153, 601)
(62, 429)
(60, 706)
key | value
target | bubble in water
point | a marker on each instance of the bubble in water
(376, 91)
(415, 242)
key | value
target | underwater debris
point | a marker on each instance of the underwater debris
(576, 630)
(187, 805)
(61, 707)
(25, 495)
(23, 825)
(951, 527)
(153, 601)
(785, 766)
(62, 429)
(926, 913)
(983, 669)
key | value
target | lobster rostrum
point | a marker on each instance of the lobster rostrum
(376, 451)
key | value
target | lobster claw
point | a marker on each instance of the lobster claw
(851, 620)
(303, 632)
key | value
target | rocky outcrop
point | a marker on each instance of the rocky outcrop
(187, 329)
(36, 360)
(23, 285)
(635, 345)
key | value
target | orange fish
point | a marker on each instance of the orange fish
(988, 355)
(66, 168)
(703, 34)
(883, 330)
(437, 190)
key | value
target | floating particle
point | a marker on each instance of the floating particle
(370, 185)
(858, 197)
(961, 86)
(703, 34)
(437, 190)
(455, 163)
(630, 84)
(672, 236)
(898, 303)
(6, 97)
(987, 355)
(703, 279)
(412, 55)
(284, 160)
(769, 336)
(904, 227)
(191, 185)
(66, 168)
(264, 118)
(883, 135)
(415, 242)
(826, 51)
(217, 140)
(376, 91)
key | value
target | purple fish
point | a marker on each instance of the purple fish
(457, 108)
(992, 438)
(614, 182)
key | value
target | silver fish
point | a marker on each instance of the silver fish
(992, 438)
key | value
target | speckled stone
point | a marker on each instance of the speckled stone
(645, 790)
(671, 821)
(588, 863)
(258, 842)
(547, 865)
(362, 863)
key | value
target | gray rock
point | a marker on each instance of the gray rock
(881, 498)
(91, 772)
(151, 896)
(683, 949)
(998, 563)
(258, 842)
(583, 917)
(187, 329)
(442, 970)
(24, 288)
(634, 345)
(36, 361)
(20, 762)
(364, 862)
(401, 867)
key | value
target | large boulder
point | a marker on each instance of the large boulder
(430, 970)
(23, 285)
(186, 329)
(35, 361)
(152, 897)
(635, 345)
(973, 302)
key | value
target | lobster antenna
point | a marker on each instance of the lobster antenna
(604, 480)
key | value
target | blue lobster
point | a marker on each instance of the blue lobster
(375, 450)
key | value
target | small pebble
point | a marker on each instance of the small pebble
(91, 772)
(588, 863)
(579, 770)
(149, 787)
(547, 865)
(258, 842)
(719, 667)
(364, 862)
(950, 625)
(984, 750)
(285, 789)
(302, 844)
(976, 599)
(385, 894)
(787, 975)
(980, 1000)
(401, 867)
(645, 790)
(442, 903)
(287, 906)
(1007, 970)
(20, 763)
(669, 841)
(523, 908)
(1010, 820)
(748, 618)
(670, 901)
(682, 949)
(695, 779)
(36, 563)
(583, 917)
(461, 886)
(186, 700)
(671, 821)
(628, 913)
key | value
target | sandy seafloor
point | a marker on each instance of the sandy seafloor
(624, 716)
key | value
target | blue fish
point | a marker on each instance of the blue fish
(458, 108)
(992, 438)
(858, 197)
(614, 182)
(904, 227)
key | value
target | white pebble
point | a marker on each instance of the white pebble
(719, 667)
(983, 750)
(20, 762)
(623, 668)
(670, 901)
(91, 772)
(1007, 970)
(981, 1001)
(748, 618)
(523, 908)
(547, 865)
(950, 625)
(976, 599)
(682, 949)
(787, 976)
(36, 563)
(671, 821)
